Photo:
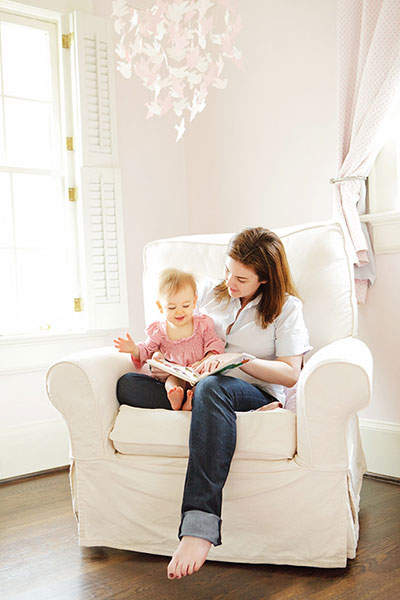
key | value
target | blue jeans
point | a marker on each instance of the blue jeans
(212, 441)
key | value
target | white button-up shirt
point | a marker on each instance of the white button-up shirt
(287, 335)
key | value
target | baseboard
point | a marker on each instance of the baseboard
(33, 447)
(37, 474)
(381, 443)
(382, 478)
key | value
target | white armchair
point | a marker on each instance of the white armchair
(292, 495)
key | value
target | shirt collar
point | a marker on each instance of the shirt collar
(251, 304)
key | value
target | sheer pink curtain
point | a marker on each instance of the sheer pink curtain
(369, 91)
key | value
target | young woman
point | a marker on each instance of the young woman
(256, 310)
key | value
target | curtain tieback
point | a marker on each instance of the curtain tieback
(351, 178)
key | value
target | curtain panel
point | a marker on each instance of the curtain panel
(369, 92)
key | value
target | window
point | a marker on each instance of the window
(34, 260)
(61, 244)
(384, 194)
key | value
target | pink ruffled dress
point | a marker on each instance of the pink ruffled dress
(185, 351)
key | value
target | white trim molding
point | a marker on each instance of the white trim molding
(52, 8)
(383, 199)
(385, 231)
(381, 443)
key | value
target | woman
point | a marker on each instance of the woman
(256, 309)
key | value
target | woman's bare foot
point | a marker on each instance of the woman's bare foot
(189, 557)
(187, 405)
(271, 406)
(175, 396)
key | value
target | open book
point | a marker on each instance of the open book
(231, 361)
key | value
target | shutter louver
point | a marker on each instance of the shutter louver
(105, 260)
(95, 89)
(98, 96)
(104, 240)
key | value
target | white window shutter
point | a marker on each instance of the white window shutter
(98, 177)
(106, 296)
(95, 90)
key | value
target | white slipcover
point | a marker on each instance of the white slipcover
(292, 495)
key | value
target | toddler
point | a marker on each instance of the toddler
(182, 338)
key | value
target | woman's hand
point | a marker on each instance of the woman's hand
(126, 345)
(211, 362)
(158, 373)
(197, 364)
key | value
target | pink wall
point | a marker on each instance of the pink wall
(379, 328)
(264, 149)
(153, 179)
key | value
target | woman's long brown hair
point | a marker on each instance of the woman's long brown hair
(262, 251)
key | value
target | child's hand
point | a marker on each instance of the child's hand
(158, 373)
(126, 345)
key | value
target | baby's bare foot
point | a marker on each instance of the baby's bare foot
(175, 396)
(188, 557)
(187, 405)
(271, 406)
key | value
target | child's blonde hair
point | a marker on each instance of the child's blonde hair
(173, 280)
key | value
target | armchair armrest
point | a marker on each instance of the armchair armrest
(83, 388)
(335, 383)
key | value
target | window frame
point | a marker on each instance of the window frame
(383, 199)
(62, 16)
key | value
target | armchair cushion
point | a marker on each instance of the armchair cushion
(268, 435)
(321, 267)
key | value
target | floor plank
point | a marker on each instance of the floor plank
(40, 558)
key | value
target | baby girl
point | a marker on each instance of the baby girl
(182, 338)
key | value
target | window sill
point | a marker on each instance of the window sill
(52, 337)
(385, 231)
(23, 354)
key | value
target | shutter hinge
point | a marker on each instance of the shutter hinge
(78, 304)
(70, 143)
(66, 40)
(73, 194)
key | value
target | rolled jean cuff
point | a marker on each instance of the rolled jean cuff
(201, 524)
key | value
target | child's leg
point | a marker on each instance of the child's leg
(175, 389)
(187, 405)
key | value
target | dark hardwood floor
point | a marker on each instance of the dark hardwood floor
(40, 558)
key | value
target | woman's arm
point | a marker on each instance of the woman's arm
(285, 370)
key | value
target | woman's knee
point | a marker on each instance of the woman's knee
(207, 386)
(212, 389)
